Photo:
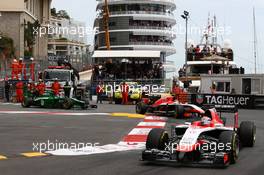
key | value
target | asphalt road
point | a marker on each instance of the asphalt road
(19, 131)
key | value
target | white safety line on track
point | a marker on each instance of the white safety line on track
(135, 140)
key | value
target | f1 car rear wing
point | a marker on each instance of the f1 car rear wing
(222, 108)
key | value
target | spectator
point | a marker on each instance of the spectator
(41, 87)
(125, 90)
(56, 87)
(19, 91)
(197, 49)
(99, 92)
(67, 90)
(7, 90)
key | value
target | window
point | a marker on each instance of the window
(112, 39)
(112, 24)
(223, 87)
(256, 86)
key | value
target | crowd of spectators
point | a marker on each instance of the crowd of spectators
(150, 39)
(198, 52)
(149, 23)
(130, 70)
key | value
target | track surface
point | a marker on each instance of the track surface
(19, 131)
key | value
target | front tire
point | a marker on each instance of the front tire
(67, 104)
(141, 108)
(157, 139)
(26, 103)
(230, 141)
(247, 133)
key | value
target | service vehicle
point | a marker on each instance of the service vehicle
(134, 94)
(63, 75)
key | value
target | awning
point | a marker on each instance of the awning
(126, 54)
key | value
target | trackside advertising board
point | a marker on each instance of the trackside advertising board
(241, 101)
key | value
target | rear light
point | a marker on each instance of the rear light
(226, 158)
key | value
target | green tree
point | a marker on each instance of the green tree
(63, 14)
(30, 37)
(53, 12)
(7, 46)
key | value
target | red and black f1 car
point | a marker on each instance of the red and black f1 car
(167, 106)
(206, 140)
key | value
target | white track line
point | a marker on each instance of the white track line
(135, 140)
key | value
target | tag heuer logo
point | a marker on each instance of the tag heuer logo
(199, 99)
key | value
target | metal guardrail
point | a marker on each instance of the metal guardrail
(139, 13)
(150, 27)
(150, 43)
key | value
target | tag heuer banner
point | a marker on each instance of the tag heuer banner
(241, 101)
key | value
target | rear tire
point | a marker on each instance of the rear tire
(157, 139)
(26, 103)
(141, 108)
(180, 111)
(231, 145)
(247, 133)
(67, 104)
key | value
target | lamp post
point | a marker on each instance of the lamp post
(186, 16)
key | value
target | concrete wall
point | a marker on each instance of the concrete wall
(15, 13)
(11, 5)
(10, 26)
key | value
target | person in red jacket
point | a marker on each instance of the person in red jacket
(41, 87)
(21, 68)
(56, 87)
(125, 90)
(31, 86)
(99, 92)
(19, 91)
(32, 69)
(14, 68)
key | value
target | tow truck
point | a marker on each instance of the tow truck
(63, 75)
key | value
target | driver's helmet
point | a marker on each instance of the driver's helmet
(206, 120)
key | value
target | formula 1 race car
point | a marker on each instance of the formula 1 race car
(167, 106)
(206, 140)
(49, 100)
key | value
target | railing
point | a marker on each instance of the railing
(109, 1)
(149, 27)
(150, 43)
(139, 12)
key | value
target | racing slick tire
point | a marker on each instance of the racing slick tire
(247, 133)
(157, 139)
(180, 111)
(26, 103)
(141, 108)
(230, 141)
(67, 103)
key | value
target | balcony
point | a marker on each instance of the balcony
(141, 12)
(149, 27)
(150, 43)
(170, 3)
